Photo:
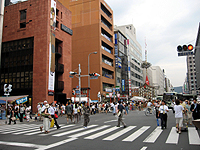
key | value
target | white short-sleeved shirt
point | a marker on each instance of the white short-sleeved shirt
(178, 111)
(161, 108)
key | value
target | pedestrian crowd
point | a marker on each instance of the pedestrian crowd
(184, 111)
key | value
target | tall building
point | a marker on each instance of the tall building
(93, 31)
(135, 55)
(158, 79)
(197, 60)
(191, 72)
(121, 63)
(36, 51)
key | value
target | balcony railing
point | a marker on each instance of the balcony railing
(59, 50)
(59, 86)
(59, 68)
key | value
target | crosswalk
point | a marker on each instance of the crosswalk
(104, 132)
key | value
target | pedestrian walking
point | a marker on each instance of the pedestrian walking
(27, 113)
(163, 115)
(47, 119)
(86, 113)
(189, 113)
(195, 108)
(68, 112)
(75, 112)
(178, 116)
(12, 115)
(52, 113)
(21, 112)
(120, 109)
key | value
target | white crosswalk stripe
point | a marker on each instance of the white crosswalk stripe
(73, 131)
(136, 134)
(118, 134)
(193, 136)
(105, 133)
(173, 136)
(154, 135)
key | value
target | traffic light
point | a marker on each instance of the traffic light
(185, 48)
(72, 73)
(7, 88)
(94, 74)
(73, 92)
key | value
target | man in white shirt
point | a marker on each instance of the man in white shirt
(163, 115)
(149, 104)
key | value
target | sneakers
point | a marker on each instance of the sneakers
(124, 126)
(85, 127)
(179, 132)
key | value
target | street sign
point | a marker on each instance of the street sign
(77, 91)
(93, 77)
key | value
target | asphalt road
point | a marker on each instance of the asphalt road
(141, 133)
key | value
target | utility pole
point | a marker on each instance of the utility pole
(1, 24)
(79, 77)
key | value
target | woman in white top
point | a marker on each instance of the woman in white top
(178, 115)
(76, 112)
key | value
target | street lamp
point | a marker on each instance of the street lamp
(88, 74)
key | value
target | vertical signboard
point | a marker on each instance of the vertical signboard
(123, 85)
(52, 48)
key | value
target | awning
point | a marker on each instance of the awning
(2, 102)
(18, 99)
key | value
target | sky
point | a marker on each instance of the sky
(165, 24)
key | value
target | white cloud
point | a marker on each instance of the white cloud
(165, 24)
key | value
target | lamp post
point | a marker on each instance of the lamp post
(88, 74)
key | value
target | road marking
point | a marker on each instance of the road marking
(72, 131)
(57, 144)
(110, 121)
(38, 131)
(136, 134)
(87, 132)
(144, 148)
(62, 127)
(22, 128)
(193, 136)
(101, 133)
(118, 134)
(22, 144)
(154, 135)
(11, 128)
(173, 136)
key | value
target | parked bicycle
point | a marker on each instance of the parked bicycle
(148, 111)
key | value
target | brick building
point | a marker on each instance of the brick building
(25, 56)
(93, 31)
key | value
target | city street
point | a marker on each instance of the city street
(141, 133)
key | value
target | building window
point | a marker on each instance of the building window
(23, 18)
(57, 11)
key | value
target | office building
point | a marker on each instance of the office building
(121, 63)
(36, 51)
(93, 31)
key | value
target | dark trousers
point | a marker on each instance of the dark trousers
(21, 117)
(86, 120)
(55, 121)
(163, 118)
